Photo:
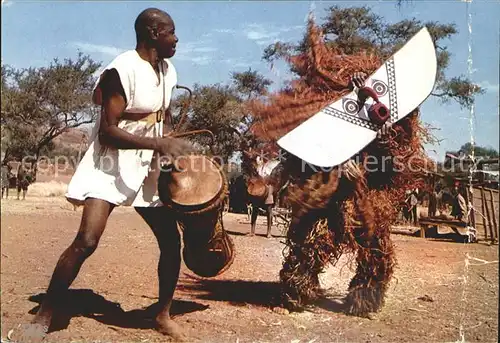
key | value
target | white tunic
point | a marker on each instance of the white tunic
(123, 177)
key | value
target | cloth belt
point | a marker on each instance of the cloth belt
(150, 118)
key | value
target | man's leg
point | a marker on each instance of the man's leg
(269, 219)
(249, 211)
(18, 192)
(94, 218)
(164, 226)
(253, 221)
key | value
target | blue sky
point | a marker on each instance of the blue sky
(216, 38)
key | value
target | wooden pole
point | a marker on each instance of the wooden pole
(483, 212)
(449, 222)
(473, 213)
(467, 202)
(490, 224)
(494, 214)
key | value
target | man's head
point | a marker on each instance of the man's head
(156, 28)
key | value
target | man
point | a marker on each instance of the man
(267, 205)
(433, 200)
(23, 180)
(119, 168)
(459, 208)
(267, 202)
(5, 181)
(411, 206)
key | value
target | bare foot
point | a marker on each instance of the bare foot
(29, 333)
(170, 328)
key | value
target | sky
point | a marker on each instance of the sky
(220, 37)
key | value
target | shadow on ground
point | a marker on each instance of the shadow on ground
(243, 292)
(235, 292)
(86, 303)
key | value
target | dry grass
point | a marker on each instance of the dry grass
(48, 189)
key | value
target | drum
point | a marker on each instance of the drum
(257, 188)
(196, 188)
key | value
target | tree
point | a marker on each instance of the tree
(221, 109)
(479, 151)
(354, 29)
(216, 108)
(39, 104)
(249, 85)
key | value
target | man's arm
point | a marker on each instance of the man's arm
(113, 106)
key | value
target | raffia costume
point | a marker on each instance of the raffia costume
(348, 209)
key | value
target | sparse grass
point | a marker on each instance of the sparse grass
(48, 189)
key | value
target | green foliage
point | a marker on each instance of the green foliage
(354, 29)
(220, 109)
(250, 83)
(39, 104)
(216, 108)
(479, 151)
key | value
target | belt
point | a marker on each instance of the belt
(150, 118)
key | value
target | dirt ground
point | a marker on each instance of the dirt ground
(442, 291)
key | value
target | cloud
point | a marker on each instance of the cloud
(489, 87)
(238, 63)
(266, 34)
(292, 28)
(200, 52)
(259, 33)
(195, 47)
(231, 31)
(95, 48)
(201, 60)
(201, 49)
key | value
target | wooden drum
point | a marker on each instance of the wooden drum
(196, 189)
(257, 188)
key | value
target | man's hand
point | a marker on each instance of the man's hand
(384, 131)
(358, 79)
(174, 147)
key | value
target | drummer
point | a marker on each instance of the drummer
(131, 91)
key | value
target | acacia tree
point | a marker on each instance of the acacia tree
(354, 29)
(221, 109)
(39, 104)
(216, 108)
(249, 85)
(479, 151)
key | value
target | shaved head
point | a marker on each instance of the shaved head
(149, 19)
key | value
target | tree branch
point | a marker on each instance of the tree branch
(441, 95)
